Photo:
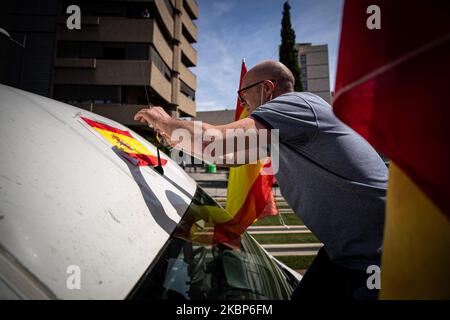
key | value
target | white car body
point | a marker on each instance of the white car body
(69, 203)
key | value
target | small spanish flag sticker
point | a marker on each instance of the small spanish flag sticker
(134, 151)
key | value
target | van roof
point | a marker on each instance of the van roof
(67, 198)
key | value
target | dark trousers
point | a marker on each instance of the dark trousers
(324, 279)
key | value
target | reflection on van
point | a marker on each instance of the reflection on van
(192, 266)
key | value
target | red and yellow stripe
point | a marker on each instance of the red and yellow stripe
(125, 142)
(249, 194)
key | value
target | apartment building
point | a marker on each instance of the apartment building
(127, 54)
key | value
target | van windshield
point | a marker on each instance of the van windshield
(210, 258)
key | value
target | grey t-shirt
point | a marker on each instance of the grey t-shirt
(331, 177)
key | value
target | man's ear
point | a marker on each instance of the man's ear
(269, 87)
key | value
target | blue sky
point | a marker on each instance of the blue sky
(230, 30)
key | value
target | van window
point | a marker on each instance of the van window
(202, 261)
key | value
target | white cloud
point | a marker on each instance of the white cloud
(221, 7)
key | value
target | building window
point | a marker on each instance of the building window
(114, 53)
(304, 72)
(187, 91)
(95, 8)
(187, 35)
(132, 10)
(170, 7)
(137, 51)
(103, 50)
(185, 61)
(68, 49)
(91, 50)
(98, 94)
(159, 63)
(188, 10)
(305, 85)
(303, 59)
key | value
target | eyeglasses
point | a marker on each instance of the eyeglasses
(240, 91)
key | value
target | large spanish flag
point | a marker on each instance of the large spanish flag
(392, 87)
(249, 194)
(130, 148)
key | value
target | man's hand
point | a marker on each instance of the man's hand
(154, 117)
(163, 124)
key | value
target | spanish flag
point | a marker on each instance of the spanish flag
(132, 149)
(392, 87)
(249, 194)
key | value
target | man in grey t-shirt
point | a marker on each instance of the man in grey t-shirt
(330, 176)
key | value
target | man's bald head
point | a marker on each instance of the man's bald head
(264, 82)
(273, 70)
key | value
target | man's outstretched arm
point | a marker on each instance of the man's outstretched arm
(201, 134)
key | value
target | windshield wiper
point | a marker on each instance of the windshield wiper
(159, 167)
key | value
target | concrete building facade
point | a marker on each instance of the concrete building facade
(314, 67)
(27, 44)
(127, 54)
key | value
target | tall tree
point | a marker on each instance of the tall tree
(288, 52)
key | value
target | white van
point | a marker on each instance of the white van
(80, 220)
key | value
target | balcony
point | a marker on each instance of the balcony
(188, 77)
(189, 51)
(186, 105)
(117, 72)
(160, 84)
(110, 29)
(192, 7)
(166, 17)
(191, 28)
(161, 45)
